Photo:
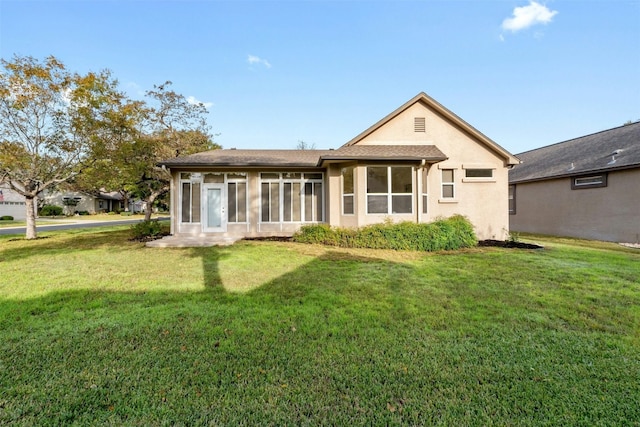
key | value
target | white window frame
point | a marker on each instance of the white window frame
(303, 180)
(389, 193)
(194, 178)
(237, 181)
(444, 183)
(350, 195)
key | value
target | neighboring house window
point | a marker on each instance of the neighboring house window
(236, 197)
(190, 188)
(589, 181)
(425, 199)
(389, 190)
(419, 124)
(448, 184)
(512, 199)
(348, 207)
(291, 197)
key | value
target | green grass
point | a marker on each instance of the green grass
(95, 329)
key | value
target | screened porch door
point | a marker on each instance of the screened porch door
(214, 213)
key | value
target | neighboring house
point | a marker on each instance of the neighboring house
(85, 202)
(588, 187)
(419, 163)
(12, 203)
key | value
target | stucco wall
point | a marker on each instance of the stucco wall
(610, 213)
(484, 202)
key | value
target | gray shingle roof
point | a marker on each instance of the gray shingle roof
(590, 153)
(307, 158)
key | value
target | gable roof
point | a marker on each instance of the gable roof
(449, 116)
(429, 153)
(613, 149)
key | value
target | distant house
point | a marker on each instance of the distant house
(419, 163)
(75, 201)
(587, 187)
(12, 203)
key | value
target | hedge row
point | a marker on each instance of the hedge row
(446, 234)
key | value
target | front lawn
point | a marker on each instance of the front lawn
(95, 329)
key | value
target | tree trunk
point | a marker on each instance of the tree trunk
(150, 200)
(31, 219)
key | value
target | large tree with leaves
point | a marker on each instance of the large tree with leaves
(173, 127)
(52, 122)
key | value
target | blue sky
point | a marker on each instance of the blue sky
(526, 74)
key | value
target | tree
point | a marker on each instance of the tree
(174, 127)
(51, 124)
(302, 145)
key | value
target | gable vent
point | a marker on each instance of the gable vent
(419, 124)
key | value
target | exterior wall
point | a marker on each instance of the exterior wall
(610, 213)
(12, 204)
(484, 202)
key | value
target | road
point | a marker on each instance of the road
(70, 224)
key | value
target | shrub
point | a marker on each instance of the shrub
(6, 218)
(82, 212)
(51, 210)
(145, 230)
(445, 234)
(125, 214)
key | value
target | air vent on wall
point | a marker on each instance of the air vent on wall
(419, 124)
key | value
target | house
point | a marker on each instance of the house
(12, 203)
(587, 187)
(419, 163)
(77, 201)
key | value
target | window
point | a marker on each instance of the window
(291, 197)
(478, 173)
(448, 184)
(589, 181)
(236, 197)
(512, 199)
(348, 207)
(190, 201)
(389, 190)
(419, 124)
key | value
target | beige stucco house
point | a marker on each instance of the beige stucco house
(587, 187)
(419, 163)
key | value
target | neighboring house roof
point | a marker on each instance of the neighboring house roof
(613, 149)
(446, 114)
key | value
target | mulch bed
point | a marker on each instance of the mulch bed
(509, 244)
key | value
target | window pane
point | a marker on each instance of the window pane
(231, 203)
(312, 176)
(347, 205)
(275, 202)
(447, 191)
(269, 175)
(292, 175)
(265, 201)
(401, 180)
(186, 202)
(185, 175)
(377, 179)
(479, 173)
(242, 202)
(237, 175)
(297, 205)
(347, 180)
(308, 201)
(377, 204)
(401, 204)
(317, 195)
(195, 205)
(215, 178)
(286, 215)
(447, 175)
(425, 205)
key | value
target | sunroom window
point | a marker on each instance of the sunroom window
(389, 190)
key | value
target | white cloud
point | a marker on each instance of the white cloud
(193, 101)
(252, 59)
(528, 16)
